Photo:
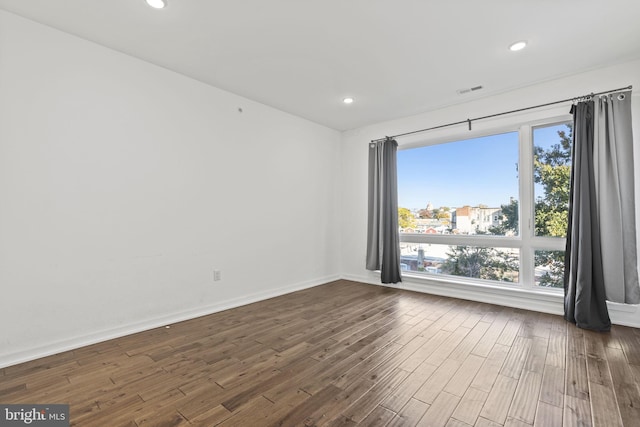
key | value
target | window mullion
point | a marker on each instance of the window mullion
(525, 175)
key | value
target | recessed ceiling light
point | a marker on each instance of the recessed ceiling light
(518, 46)
(348, 100)
(157, 4)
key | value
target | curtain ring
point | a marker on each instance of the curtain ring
(621, 97)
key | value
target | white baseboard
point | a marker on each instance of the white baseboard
(624, 314)
(49, 349)
(545, 302)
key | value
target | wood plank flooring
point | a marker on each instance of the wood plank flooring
(347, 354)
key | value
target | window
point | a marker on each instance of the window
(492, 208)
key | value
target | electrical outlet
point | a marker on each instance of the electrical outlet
(216, 275)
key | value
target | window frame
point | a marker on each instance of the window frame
(526, 241)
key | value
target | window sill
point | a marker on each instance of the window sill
(542, 300)
(486, 285)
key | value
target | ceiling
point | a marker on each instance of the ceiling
(394, 57)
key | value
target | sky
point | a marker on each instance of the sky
(470, 172)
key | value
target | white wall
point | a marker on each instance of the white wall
(354, 174)
(123, 185)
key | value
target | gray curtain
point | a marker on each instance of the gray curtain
(600, 257)
(383, 239)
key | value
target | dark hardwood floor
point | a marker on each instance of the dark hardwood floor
(347, 354)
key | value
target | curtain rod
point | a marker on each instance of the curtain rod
(468, 121)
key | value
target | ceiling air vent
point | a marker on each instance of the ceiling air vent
(469, 90)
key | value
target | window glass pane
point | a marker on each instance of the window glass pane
(549, 268)
(463, 187)
(501, 264)
(551, 169)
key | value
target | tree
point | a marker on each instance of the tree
(406, 218)
(554, 261)
(441, 214)
(509, 221)
(552, 169)
(481, 263)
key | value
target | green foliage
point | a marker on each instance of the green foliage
(481, 263)
(552, 278)
(552, 169)
(406, 218)
(551, 222)
(440, 214)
